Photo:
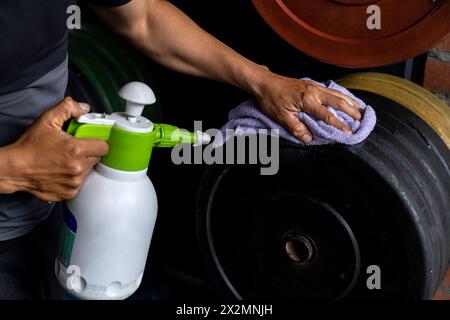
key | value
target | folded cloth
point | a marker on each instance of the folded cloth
(248, 118)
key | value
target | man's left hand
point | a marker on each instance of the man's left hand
(282, 98)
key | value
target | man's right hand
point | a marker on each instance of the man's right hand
(48, 162)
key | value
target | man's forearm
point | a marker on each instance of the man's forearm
(171, 38)
(168, 36)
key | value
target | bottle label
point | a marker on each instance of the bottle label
(67, 236)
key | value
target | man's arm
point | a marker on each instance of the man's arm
(167, 35)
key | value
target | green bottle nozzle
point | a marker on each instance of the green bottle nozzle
(170, 136)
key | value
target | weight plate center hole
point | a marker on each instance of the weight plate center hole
(300, 249)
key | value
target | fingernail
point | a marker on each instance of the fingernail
(307, 138)
(84, 106)
(348, 131)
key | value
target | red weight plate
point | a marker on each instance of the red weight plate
(337, 32)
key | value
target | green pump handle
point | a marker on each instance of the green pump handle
(88, 130)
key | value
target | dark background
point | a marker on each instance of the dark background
(237, 23)
(175, 265)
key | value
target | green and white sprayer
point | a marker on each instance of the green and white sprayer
(108, 226)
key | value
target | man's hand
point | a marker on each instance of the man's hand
(283, 98)
(46, 161)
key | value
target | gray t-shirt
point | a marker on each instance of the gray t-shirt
(20, 212)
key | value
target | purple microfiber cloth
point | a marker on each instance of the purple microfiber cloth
(247, 117)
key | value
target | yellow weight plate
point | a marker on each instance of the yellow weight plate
(419, 100)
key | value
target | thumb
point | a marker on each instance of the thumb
(65, 110)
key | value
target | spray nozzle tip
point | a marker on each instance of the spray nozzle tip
(202, 138)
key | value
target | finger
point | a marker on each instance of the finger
(350, 101)
(297, 128)
(82, 177)
(75, 181)
(66, 110)
(89, 163)
(326, 116)
(49, 197)
(340, 104)
(91, 147)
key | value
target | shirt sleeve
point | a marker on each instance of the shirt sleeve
(109, 3)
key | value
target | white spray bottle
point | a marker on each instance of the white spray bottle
(108, 226)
